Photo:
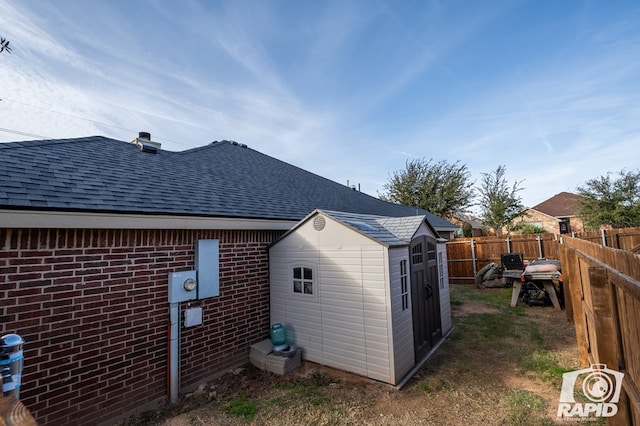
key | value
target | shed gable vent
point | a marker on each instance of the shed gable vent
(318, 223)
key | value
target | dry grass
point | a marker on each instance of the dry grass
(501, 366)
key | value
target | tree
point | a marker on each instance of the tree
(499, 204)
(528, 229)
(611, 201)
(467, 230)
(4, 45)
(441, 188)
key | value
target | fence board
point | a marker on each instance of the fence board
(466, 256)
(604, 286)
(574, 298)
(624, 238)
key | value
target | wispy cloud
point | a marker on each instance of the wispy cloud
(349, 90)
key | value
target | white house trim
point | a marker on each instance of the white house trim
(77, 220)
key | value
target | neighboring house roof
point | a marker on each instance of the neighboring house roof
(564, 204)
(222, 179)
(389, 231)
(471, 220)
(475, 223)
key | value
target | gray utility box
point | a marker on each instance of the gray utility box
(182, 286)
(204, 281)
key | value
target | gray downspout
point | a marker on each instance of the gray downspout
(174, 346)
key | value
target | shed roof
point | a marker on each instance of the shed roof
(403, 227)
(221, 179)
(389, 231)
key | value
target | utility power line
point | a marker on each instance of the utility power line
(18, 132)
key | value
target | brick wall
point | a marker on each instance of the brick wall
(551, 224)
(92, 307)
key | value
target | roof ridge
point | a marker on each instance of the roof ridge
(45, 142)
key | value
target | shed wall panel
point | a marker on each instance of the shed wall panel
(375, 298)
(342, 345)
(301, 318)
(402, 323)
(346, 362)
(376, 357)
(377, 345)
(377, 325)
(445, 299)
(334, 348)
(346, 325)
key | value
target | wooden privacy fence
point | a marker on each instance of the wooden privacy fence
(625, 238)
(466, 256)
(602, 297)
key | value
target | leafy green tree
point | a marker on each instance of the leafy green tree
(467, 230)
(611, 200)
(528, 229)
(441, 188)
(499, 203)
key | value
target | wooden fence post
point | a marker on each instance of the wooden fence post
(572, 282)
(566, 278)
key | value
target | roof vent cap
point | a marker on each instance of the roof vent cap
(241, 145)
(145, 144)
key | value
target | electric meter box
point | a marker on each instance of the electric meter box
(183, 286)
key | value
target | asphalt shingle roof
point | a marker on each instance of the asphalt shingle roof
(221, 179)
(560, 205)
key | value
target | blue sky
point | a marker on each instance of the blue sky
(346, 89)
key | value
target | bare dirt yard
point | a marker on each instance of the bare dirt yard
(500, 366)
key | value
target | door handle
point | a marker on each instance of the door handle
(428, 291)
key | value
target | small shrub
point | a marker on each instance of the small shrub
(528, 229)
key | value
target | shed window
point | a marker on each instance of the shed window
(416, 254)
(431, 251)
(302, 280)
(404, 289)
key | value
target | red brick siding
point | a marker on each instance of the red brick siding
(551, 224)
(92, 307)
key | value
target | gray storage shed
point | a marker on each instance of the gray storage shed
(362, 293)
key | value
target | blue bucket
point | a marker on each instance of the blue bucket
(278, 335)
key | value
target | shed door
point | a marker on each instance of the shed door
(425, 295)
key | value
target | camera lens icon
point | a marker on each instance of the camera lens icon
(598, 386)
